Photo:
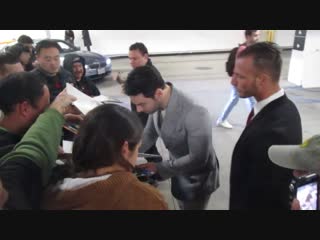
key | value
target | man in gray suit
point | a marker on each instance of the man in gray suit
(186, 131)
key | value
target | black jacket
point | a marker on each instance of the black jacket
(255, 182)
(55, 83)
(88, 87)
(7, 141)
(20, 177)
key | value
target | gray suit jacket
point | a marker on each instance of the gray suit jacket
(187, 133)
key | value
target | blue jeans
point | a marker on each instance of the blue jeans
(234, 99)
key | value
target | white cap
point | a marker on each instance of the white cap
(304, 157)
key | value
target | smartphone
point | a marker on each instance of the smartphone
(306, 190)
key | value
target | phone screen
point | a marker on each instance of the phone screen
(308, 196)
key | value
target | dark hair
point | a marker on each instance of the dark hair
(24, 39)
(101, 136)
(7, 58)
(139, 46)
(18, 49)
(47, 43)
(69, 33)
(143, 80)
(68, 61)
(249, 32)
(266, 57)
(19, 87)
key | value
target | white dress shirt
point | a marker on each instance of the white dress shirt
(260, 105)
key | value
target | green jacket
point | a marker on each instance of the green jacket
(40, 143)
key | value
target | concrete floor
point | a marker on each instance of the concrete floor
(204, 78)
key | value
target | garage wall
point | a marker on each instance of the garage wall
(165, 41)
(284, 38)
(14, 34)
(117, 42)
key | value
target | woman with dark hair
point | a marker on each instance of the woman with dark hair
(28, 42)
(22, 53)
(104, 155)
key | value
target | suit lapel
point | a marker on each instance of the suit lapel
(269, 108)
(172, 112)
(253, 124)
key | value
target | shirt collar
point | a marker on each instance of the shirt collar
(260, 105)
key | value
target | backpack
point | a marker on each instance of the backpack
(231, 61)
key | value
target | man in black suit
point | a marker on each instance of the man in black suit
(256, 182)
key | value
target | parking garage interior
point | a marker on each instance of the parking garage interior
(194, 62)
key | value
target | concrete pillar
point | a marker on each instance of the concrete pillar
(48, 33)
(304, 68)
(270, 35)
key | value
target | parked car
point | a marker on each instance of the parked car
(97, 65)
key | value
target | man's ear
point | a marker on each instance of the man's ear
(262, 78)
(125, 150)
(23, 108)
(158, 93)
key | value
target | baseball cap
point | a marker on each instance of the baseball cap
(304, 157)
(78, 59)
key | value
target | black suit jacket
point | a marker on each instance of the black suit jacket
(256, 182)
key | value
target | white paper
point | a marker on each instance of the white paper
(67, 146)
(84, 103)
(101, 98)
(106, 100)
(86, 106)
(77, 93)
(110, 100)
(141, 161)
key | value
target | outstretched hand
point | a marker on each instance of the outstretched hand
(62, 102)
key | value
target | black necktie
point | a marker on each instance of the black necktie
(249, 119)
